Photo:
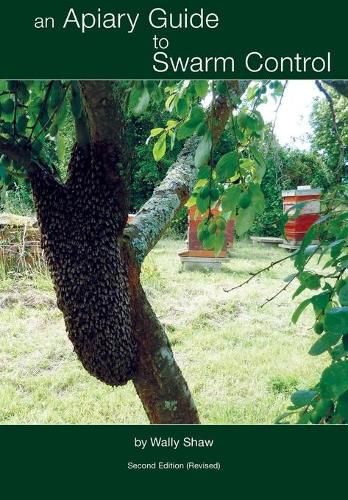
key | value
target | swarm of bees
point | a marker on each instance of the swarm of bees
(80, 222)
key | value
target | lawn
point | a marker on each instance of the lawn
(241, 361)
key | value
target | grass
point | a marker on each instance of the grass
(241, 361)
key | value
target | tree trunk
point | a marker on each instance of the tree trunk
(158, 381)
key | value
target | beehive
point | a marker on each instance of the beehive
(196, 255)
(296, 229)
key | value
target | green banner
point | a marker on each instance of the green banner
(149, 40)
(108, 461)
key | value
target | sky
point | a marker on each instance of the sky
(292, 122)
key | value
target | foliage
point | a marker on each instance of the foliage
(33, 115)
(324, 139)
(232, 180)
(145, 173)
(286, 169)
(325, 402)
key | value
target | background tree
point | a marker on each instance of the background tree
(324, 138)
(287, 168)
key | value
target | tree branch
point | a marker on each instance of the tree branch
(173, 192)
(253, 275)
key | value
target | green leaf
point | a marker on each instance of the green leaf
(201, 87)
(278, 88)
(156, 131)
(7, 106)
(21, 124)
(310, 280)
(185, 131)
(334, 380)
(251, 92)
(61, 114)
(182, 107)
(23, 94)
(219, 242)
(197, 116)
(257, 197)
(324, 343)
(303, 398)
(260, 161)
(171, 124)
(202, 202)
(172, 136)
(189, 127)
(160, 147)
(53, 130)
(204, 172)
(321, 410)
(299, 310)
(303, 418)
(250, 120)
(227, 166)
(300, 259)
(337, 247)
(221, 87)
(245, 220)
(4, 164)
(202, 230)
(5, 161)
(6, 128)
(230, 198)
(336, 320)
(170, 102)
(242, 119)
(56, 94)
(343, 295)
(201, 129)
(203, 151)
(257, 121)
(342, 406)
(320, 301)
